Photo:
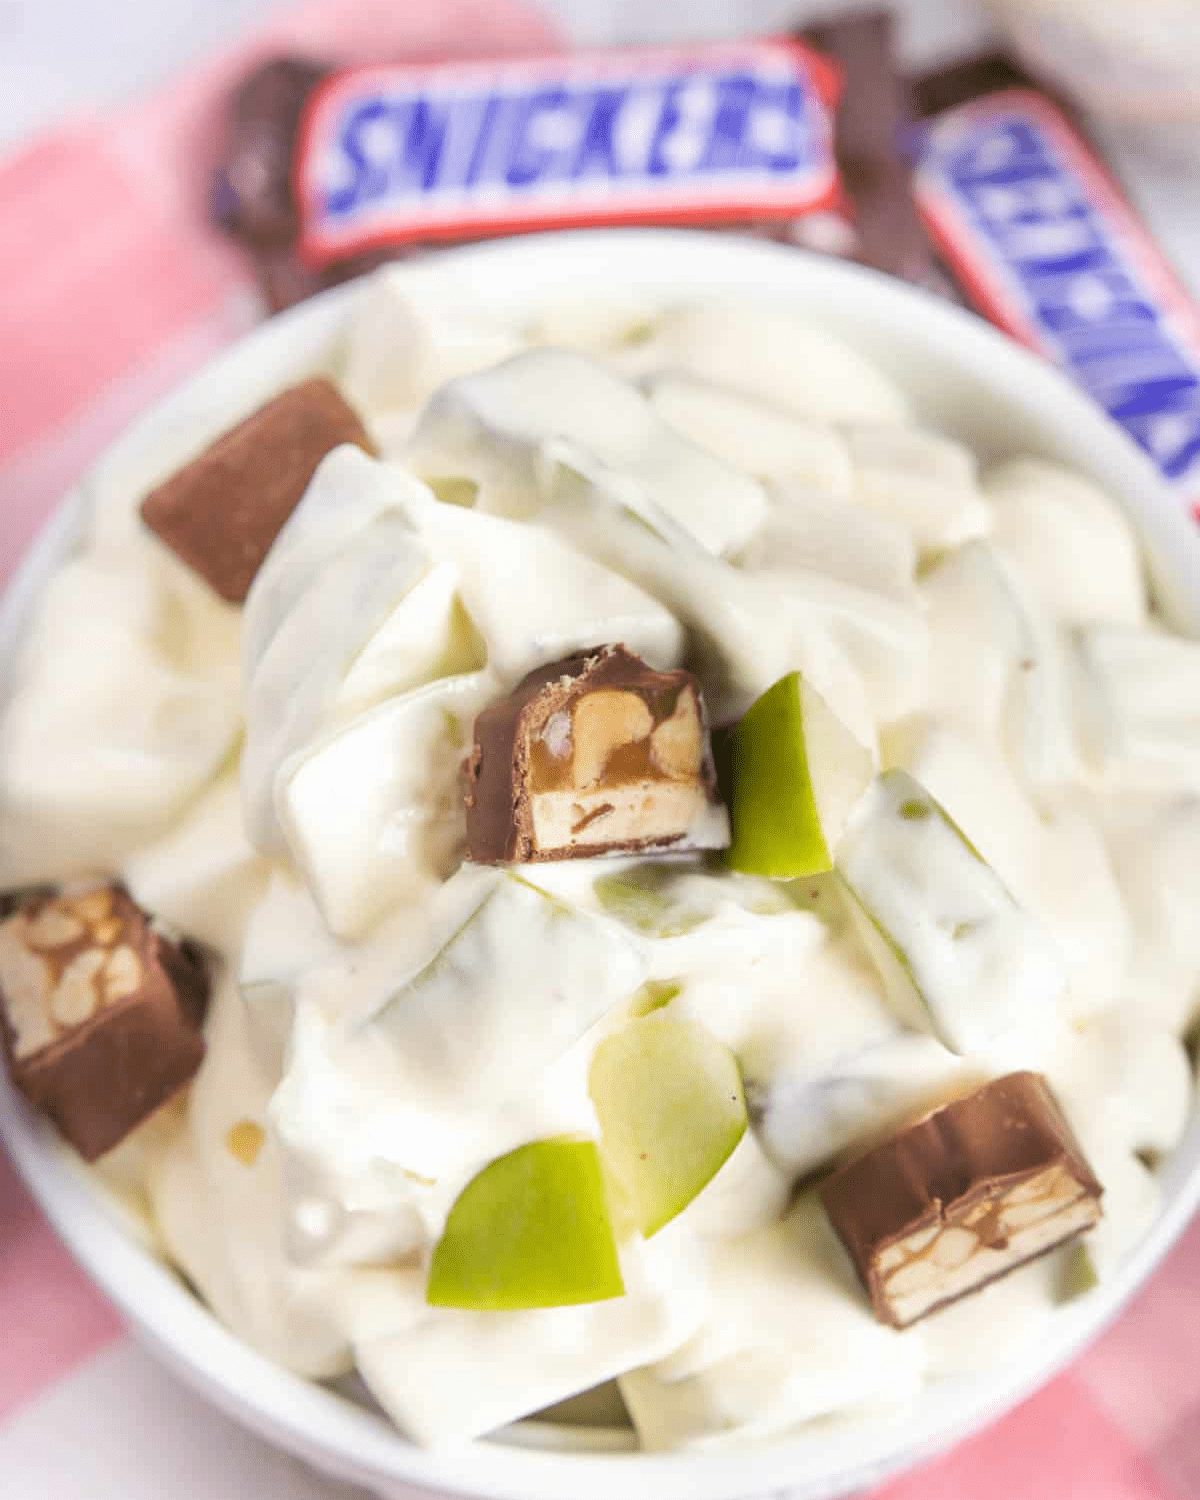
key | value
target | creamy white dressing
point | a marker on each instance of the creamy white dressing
(723, 485)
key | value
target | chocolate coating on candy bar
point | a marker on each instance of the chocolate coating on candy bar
(221, 512)
(873, 118)
(252, 196)
(972, 78)
(963, 1196)
(100, 1014)
(591, 754)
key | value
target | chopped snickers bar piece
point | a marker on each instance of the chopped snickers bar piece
(100, 1014)
(963, 1196)
(593, 754)
(221, 512)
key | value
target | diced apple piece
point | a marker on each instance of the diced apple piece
(519, 981)
(959, 957)
(372, 813)
(977, 634)
(741, 636)
(669, 1099)
(738, 1380)
(446, 1375)
(1077, 1273)
(293, 682)
(752, 434)
(1044, 513)
(531, 1230)
(819, 1100)
(1144, 728)
(807, 530)
(1159, 866)
(492, 428)
(348, 495)
(443, 329)
(769, 351)
(1052, 857)
(1000, 664)
(576, 604)
(797, 774)
(285, 936)
(925, 482)
(202, 876)
(652, 898)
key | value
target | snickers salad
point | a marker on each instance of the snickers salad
(594, 848)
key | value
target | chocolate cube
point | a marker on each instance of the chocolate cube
(592, 754)
(963, 1196)
(221, 512)
(100, 1014)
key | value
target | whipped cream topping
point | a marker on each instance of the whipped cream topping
(724, 485)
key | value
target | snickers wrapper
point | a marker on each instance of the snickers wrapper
(1042, 241)
(329, 171)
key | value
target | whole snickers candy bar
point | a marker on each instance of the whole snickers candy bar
(1044, 243)
(100, 1014)
(961, 1197)
(339, 168)
(221, 512)
(589, 755)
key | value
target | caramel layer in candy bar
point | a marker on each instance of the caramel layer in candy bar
(221, 512)
(963, 1196)
(100, 1014)
(593, 754)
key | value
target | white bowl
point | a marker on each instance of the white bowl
(964, 379)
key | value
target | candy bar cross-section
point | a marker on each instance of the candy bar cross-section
(961, 1197)
(100, 1014)
(593, 754)
(221, 512)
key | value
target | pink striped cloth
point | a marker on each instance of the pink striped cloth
(113, 291)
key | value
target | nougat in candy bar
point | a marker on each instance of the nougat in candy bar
(593, 754)
(961, 1197)
(100, 1014)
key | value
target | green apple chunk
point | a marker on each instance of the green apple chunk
(1077, 1273)
(653, 898)
(671, 1109)
(797, 774)
(516, 984)
(531, 1230)
(958, 955)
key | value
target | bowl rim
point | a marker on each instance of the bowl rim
(535, 1459)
